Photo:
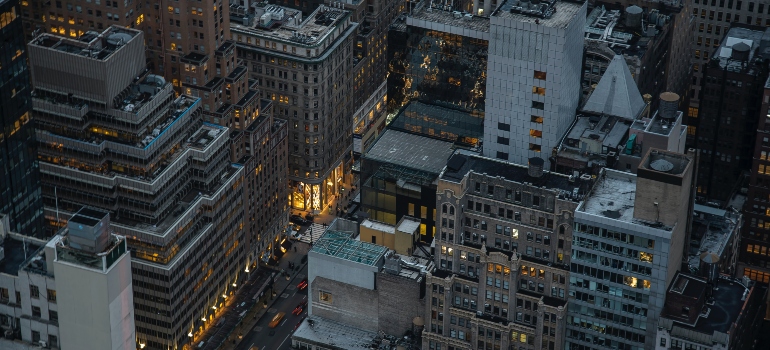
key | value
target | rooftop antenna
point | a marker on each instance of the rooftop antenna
(56, 199)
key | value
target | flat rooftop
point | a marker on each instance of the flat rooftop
(411, 151)
(341, 245)
(17, 251)
(728, 303)
(425, 16)
(758, 42)
(612, 196)
(408, 224)
(379, 226)
(330, 334)
(92, 44)
(274, 22)
(552, 13)
(464, 162)
(712, 230)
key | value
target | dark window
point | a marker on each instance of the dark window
(502, 155)
(503, 140)
(538, 105)
(503, 126)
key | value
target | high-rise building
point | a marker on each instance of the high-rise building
(115, 137)
(75, 18)
(71, 292)
(20, 197)
(627, 245)
(729, 111)
(502, 254)
(533, 77)
(754, 260)
(712, 21)
(303, 65)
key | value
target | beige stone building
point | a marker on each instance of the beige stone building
(502, 256)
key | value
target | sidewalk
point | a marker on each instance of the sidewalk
(257, 309)
(327, 215)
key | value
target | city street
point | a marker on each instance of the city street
(266, 338)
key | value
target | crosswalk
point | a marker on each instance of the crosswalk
(315, 231)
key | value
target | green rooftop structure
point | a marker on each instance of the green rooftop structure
(342, 245)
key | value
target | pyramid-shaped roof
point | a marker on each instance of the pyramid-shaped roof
(616, 94)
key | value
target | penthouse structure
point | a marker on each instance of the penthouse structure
(114, 137)
(502, 255)
(627, 246)
(303, 66)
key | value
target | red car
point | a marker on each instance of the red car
(301, 307)
(299, 323)
(302, 285)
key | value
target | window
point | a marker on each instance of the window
(537, 119)
(502, 140)
(538, 90)
(34, 292)
(325, 297)
(51, 295)
(502, 155)
(503, 126)
(663, 342)
(539, 75)
(53, 315)
(538, 105)
(36, 311)
(535, 133)
(534, 147)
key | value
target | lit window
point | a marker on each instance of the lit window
(539, 75)
(538, 90)
(535, 133)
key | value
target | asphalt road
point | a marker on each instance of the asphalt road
(266, 338)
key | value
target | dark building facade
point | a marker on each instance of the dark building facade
(727, 118)
(754, 260)
(19, 177)
(438, 67)
(398, 177)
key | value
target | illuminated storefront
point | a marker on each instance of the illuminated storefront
(317, 194)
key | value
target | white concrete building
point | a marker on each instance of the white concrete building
(533, 77)
(72, 292)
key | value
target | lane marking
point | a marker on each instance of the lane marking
(284, 340)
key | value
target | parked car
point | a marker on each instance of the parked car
(309, 217)
(299, 220)
(302, 285)
(301, 307)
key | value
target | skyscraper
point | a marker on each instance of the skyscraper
(115, 137)
(533, 77)
(19, 176)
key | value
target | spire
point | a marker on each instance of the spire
(616, 94)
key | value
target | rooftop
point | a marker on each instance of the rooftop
(626, 34)
(343, 246)
(728, 302)
(379, 226)
(612, 196)
(408, 224)
(17, 250)
(92, 44)
(549, 13)
(755, 44)
(411, 151)
(430, 14)
(712, 230)
(609, 131)
(463, 162)
(616, 93)
(282, 23)
(330, 334)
